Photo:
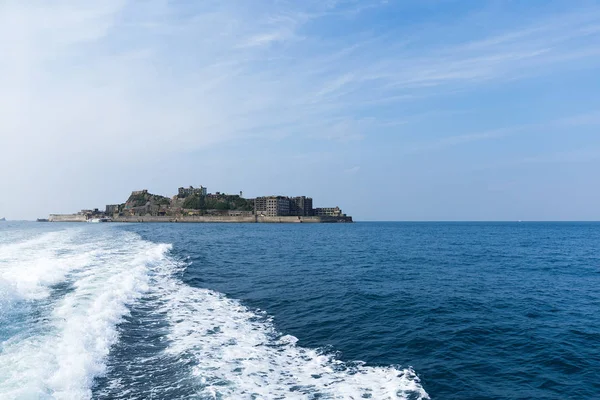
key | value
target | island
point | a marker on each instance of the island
(195, 204)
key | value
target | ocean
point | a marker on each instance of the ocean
(300, 311)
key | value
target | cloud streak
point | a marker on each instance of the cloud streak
(110, 63)
(138, 81)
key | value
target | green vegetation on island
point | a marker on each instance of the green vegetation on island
(188, 201)
(217, 202)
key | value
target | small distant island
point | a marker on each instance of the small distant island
(197, 205)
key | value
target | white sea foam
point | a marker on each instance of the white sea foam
(65, 348)
(241, 356)
(238, 353)
(30, 266)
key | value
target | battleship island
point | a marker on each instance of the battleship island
(195, 204)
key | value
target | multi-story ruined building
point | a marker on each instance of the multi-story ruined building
(301, 206)
(272, 206)
(112, 209)
(185, 192)
(328, 212)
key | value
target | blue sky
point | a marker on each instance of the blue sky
(393, 110)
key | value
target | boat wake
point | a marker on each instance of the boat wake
(99, 312)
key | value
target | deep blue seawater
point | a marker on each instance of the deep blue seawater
(456, 310)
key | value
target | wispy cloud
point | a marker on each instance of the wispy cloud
(449, 141)
(573, 156)
(212, 74)
(138, 80)
(445, 141)
(264, 39)
(591, 118)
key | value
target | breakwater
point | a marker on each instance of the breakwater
(209, 219)
(67, 218)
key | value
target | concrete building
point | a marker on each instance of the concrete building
(301, 206)
(185, 192)
(328, 212)
(112, 209)
(236, 213)
(272, 206)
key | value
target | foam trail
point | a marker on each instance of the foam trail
(240, 355)
(29, 267)
(64, 347)
(71, 289)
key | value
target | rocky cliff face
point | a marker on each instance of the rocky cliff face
(139, 199)
(145, 203)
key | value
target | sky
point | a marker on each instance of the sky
(393, 110)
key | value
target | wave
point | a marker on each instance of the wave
(83, 283)
(240, 355)
(29, 267)
(68, 331)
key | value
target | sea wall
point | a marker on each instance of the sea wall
(214, 218)
(233, 219)
(303, 219)
(206, 219)
(66, 218)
